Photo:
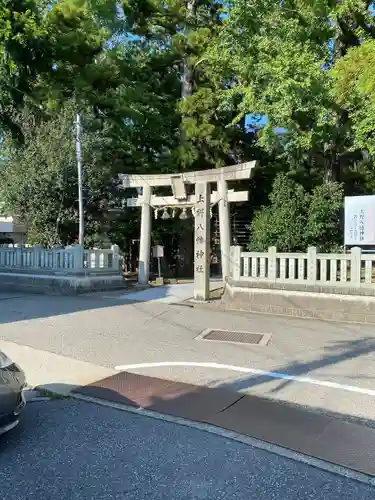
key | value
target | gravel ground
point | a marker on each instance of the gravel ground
(68, 449)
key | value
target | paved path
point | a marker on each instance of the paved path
(167, 294)
(78, 451)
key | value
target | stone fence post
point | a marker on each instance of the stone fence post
(272, 264)
(311, 265)
(77, 252)
(355, 266)
(235, 262)
(115, 257)
(17, 252)
(37, 250)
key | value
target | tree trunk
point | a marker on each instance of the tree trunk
(187, 77)
(187, 71)
(333, 169)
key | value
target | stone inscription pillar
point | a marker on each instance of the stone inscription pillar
(202, 242)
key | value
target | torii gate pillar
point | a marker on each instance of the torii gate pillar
(145, 239)
(224, 227)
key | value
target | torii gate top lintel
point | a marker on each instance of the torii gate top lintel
(231, 173)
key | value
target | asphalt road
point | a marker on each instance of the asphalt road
(75, 450)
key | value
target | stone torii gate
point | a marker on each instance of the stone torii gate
(200, 204)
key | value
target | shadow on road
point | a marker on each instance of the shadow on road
(337, 352)
(19, 307)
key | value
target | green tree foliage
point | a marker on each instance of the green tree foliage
(354, 90)
(278, 56)
(177, 34)
(283, 222)
(304, 68)
(324, 217)
(296, 219)
(39, 180)
(165, 86)
(44, 49)
(129, 120)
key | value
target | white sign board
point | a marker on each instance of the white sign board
(158, 251)
(359, 220)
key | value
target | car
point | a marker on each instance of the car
(12, 400)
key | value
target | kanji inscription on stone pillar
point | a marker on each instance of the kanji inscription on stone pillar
(202, 241)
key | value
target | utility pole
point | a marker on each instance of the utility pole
(80, 176)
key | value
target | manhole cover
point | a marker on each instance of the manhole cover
(235, 337)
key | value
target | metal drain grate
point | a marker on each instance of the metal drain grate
(234, 337)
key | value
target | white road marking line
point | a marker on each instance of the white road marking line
(253, 371)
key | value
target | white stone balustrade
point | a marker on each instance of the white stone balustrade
(355, 269)
(73, 258)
